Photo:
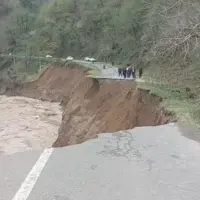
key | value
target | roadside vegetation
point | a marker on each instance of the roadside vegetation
(180, 101)
(94, 73)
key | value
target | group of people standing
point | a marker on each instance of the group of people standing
(128, 72)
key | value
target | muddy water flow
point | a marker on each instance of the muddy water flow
(27, 124)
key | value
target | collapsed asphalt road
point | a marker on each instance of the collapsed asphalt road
(143, 163)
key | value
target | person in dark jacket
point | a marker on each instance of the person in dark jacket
(119, 72)
(140, 72)
(133, 72)
(124, 71)
(129, 72)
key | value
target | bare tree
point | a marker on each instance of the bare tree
(180, 32)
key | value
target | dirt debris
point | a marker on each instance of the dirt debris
(90, 108)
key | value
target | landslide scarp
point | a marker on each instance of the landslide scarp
(90, 108)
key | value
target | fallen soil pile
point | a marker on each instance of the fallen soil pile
(90, 108)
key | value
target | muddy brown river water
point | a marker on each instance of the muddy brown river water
(27, 124)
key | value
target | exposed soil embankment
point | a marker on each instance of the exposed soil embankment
(90, 108)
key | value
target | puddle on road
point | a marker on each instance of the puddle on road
(27, 124)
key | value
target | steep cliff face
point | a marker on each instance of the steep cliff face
(90, 108)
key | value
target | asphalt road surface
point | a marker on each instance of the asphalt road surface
(155, 163)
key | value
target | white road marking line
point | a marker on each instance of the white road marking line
(31, 179)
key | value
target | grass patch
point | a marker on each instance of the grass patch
(175, 75)
(30, 77)
(178, 86)
(94, 73)
(177, 100)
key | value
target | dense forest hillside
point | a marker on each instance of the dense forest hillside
(161, 35)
